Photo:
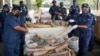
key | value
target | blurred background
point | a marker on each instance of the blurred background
(47, 3)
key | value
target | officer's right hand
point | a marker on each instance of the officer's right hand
(21, 29)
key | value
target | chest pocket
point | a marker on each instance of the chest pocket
(64, 10)
(24, 8)
(84, 20)
(54, 8)
(60, 9)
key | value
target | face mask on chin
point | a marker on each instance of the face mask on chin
(84, 12)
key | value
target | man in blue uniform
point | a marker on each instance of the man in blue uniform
(84, 24)
(24, 11)
(73, 14)
(62, 11)
(12, 33)
(3, 15)
(74, 9)
(54, 11)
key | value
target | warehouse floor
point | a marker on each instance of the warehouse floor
(95, 52)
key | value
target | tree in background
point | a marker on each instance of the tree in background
(1, 3)
(96, 2)
(39, 3)
(80, 1)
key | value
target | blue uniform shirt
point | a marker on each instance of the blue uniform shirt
(63, 12)
(24, 10)
(74, 9)
(85, 19)
(10, 34)
(52, 11)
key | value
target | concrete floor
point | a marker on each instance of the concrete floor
(95, 52)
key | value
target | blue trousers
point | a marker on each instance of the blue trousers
(12, 49)
(91, 43)
(22, 44)
(84, 40)
(0, 35)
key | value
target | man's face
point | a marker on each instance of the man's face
(5, 9)
(15, 12)
(85, 9)
(21, 3)
(54, 3)
(18, 13)
(74, 3)
(61, 5)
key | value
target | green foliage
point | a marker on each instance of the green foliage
(17, 1)
(80, 2)
(39, 3)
